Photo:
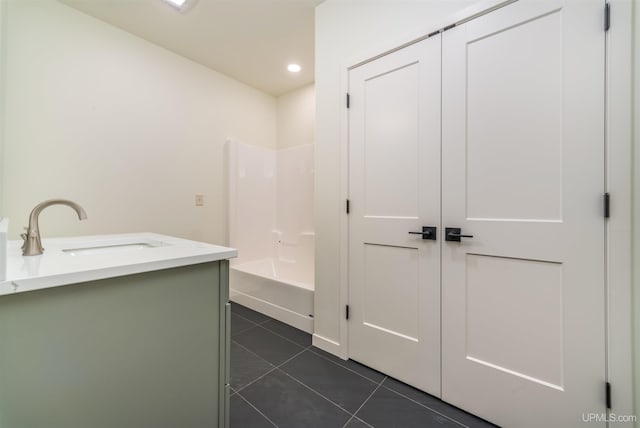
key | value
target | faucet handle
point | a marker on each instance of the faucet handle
(24, 240)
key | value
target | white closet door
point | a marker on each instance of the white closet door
(523, 146)
(394, 187)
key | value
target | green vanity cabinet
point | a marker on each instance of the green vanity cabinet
(149, 350)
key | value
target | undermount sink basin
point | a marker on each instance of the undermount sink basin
(113, 247)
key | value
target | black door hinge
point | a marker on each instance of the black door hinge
(608, 394)
(607, 16)
(348, 100)
(346, 312)
(348, 206)
(607, 205)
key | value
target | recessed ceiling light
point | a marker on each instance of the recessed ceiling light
(294, 68)
(181, 5)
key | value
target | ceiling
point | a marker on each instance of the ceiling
(249, 40)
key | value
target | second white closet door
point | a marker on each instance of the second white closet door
(523, 172)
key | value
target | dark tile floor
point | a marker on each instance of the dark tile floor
(279, 379)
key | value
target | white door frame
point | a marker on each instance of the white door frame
(619, 174)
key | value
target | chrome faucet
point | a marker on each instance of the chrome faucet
(32, 245)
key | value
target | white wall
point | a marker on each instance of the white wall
(3, 28)
(348, 30)
(125, 128)
(296, 117)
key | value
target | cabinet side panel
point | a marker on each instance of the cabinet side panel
(225, 346)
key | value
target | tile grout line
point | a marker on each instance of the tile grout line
(279, 367)
(284, 337)
(281, 335)
(363, 421)
(318, 393)
(257, 410)
(250, 351)
(365, 402)
(424, 405)
(360, 420)
(270, 370)
(285, 362)
(268, 329)
(348, 421)
(239, 390)
(247, 349)
(345, 367)
(253, 324)
(256, 323)
(237, 333)
(247, 319)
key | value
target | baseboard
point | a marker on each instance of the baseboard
(294, 319)
(330, 346)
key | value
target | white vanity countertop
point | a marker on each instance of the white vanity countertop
(88, 258)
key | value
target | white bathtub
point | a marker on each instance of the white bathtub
(275, 288)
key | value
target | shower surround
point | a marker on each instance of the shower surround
(271, 225)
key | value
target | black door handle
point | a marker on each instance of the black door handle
(455, 234)
(428, 232)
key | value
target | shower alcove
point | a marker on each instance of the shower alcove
(271, 225)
